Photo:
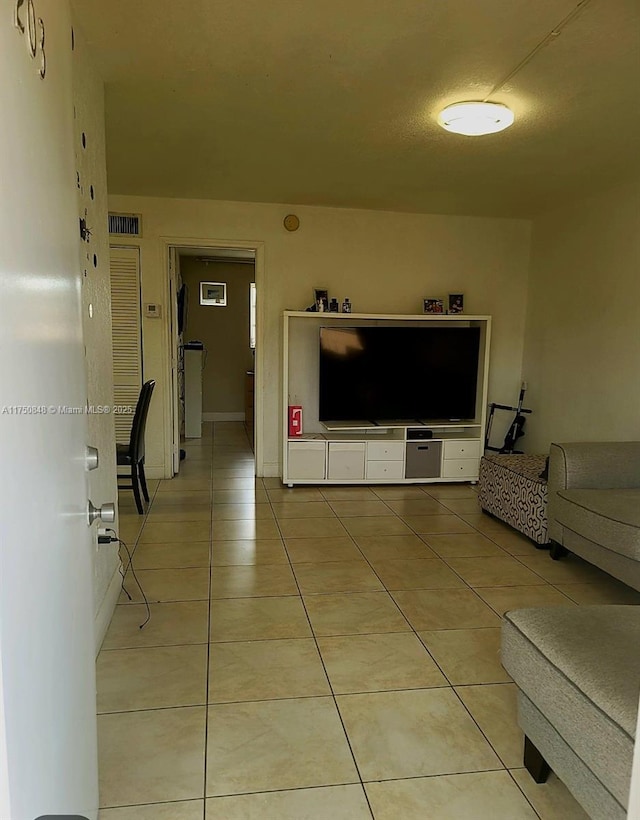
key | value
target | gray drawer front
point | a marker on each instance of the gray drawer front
(423, 459)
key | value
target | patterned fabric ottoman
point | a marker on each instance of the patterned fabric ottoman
(510, 488)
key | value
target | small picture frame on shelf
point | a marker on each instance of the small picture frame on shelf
(321, 299)
(456, 303)
(432, 306)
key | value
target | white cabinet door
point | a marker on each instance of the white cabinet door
(306, 460)
(346, 460)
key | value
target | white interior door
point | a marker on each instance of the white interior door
(47, 677)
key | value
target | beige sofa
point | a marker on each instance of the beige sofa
(594, 505)
(577, 670)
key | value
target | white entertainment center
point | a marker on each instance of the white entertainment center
(406, 452)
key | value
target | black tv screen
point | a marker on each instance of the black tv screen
(389, 373)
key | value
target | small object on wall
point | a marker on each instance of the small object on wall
(432, 306)
(291, 222)
(456, 303)
(346, 306)
(321, 299)
(213, 293)
(333, 306)
(152, 310)
(85, 231)
(295, 420)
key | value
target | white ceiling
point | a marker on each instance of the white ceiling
(333, 102)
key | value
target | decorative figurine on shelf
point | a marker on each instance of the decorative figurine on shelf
(346, 306)
(333, 306)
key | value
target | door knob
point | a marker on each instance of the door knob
(91, 458)
(107, 512)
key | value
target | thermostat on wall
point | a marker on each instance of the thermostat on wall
(152, 310)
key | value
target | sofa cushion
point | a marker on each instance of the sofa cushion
(608, 517)
(580, 666)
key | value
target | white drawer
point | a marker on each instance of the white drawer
(385, 469)
(385, 450)
(460, 468)
(346, 460)
(306, 460)
(346, 446)
(469, 448)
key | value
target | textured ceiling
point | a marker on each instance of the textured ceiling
(334, 102)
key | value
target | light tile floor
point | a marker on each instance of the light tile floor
(320, 652)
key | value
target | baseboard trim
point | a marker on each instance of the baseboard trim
(107, 607)
(271, 470)
(223, 417)
(156, 473)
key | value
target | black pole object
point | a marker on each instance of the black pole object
(516, 429)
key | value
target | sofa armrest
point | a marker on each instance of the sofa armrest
(594, 465)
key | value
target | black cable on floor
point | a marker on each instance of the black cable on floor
(124, 571)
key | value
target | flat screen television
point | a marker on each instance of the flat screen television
(387, 373)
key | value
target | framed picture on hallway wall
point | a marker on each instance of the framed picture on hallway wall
(213, 293)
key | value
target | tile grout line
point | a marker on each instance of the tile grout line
(326, 674)
(452, 686)
(449, 685)
(544, 583)
(523, 793)
(209, 625)
(208, 645)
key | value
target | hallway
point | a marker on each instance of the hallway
(320, 653)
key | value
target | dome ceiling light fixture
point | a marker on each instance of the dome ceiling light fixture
(473, 119)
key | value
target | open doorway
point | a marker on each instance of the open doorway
(213, 339)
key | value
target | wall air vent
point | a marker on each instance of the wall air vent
(125, 224)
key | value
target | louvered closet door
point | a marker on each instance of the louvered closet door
(127, 336)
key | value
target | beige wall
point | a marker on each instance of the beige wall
(88, 99)
(383, 261)
(224, 331)
(582, 354)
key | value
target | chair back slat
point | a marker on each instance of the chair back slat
(136, 442)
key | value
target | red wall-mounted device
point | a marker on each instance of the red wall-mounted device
(295, 420)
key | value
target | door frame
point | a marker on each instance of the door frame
(258, 247)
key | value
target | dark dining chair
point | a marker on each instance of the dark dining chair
(132, 454)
